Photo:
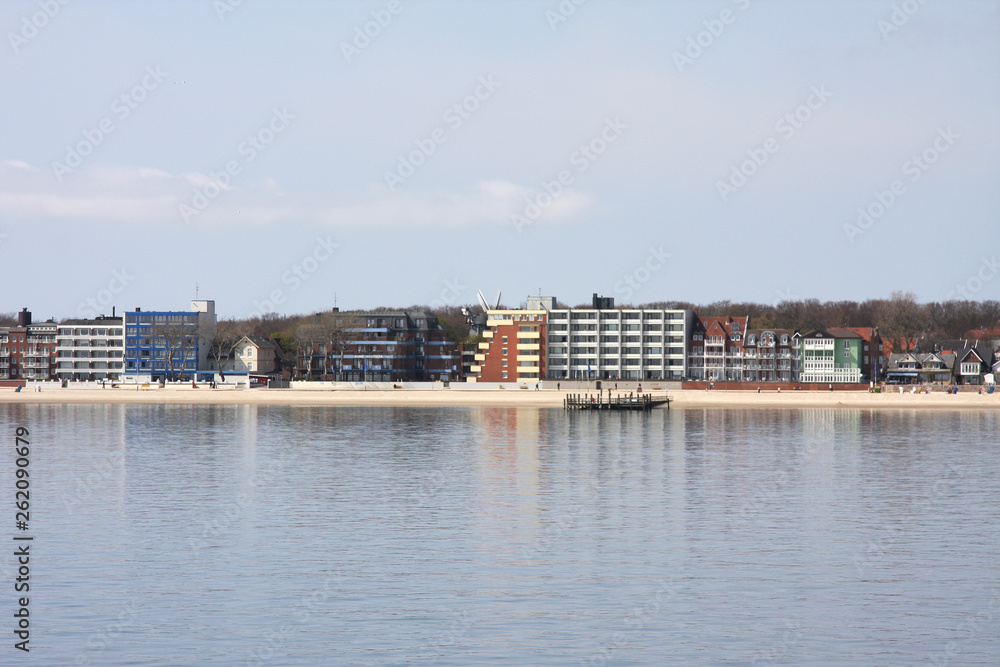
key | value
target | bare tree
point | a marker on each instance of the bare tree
(901, 320)
(228, 334)
(177, 340)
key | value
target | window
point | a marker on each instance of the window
(504, 375)
(504, 352)
(847, 346)
(505, 363)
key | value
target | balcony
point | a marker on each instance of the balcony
(528, 334)
(480, 357)
(484, 346)
(475, 369)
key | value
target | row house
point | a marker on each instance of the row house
(921, 368)
(970, 365)
(715, 348)
(384, 346)
(772, 355)
(28, 350)
(91, 349)
(726, 349)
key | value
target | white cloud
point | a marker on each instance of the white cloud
(102, 193)
(19, 164)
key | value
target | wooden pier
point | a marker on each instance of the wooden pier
(601, 401)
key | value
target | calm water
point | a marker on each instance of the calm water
(175, 535)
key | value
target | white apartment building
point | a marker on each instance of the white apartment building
(605, 342)
(90, 349)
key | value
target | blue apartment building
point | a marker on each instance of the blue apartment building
(169, 345)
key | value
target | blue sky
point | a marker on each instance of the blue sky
(644, 150)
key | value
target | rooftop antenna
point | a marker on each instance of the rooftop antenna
(196, 291)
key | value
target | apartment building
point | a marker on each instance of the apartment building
(831, 356)
(91, 349)
(542, 341)
(384, 346)
(28, 350)
(169, 345)
(715, 348)
(772, 355)
(514, 347)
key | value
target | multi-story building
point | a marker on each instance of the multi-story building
(28, 350)
(772, 355)
(831, 355)
(91, 349)
(384, 346)
(601, 342)
(715, 348)
(514, 349)
(169, 345)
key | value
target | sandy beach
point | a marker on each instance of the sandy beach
(504, 398)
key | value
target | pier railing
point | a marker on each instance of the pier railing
(602, 401)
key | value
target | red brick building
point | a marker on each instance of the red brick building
(28, 351)
(514, 349)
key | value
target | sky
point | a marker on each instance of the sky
(289, 156)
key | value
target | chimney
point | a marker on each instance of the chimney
(23, 318)
(138, 309)
(112, 311)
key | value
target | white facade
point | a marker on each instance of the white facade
(90, 349)
(818, 363)
(617, 343)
